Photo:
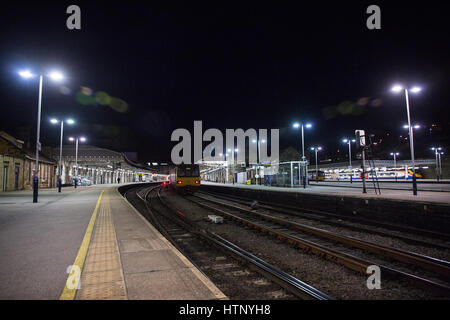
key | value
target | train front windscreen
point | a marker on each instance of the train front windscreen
(188, 171)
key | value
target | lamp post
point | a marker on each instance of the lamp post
(315, 149)
(395, 154)
(55, 121)
(232, 156)
(259, 153)
(398, 88)
(297, 125)
(234, 150)
(226, 168)
(349, 142)
(81, 139)
(437, 152)
(56, 76)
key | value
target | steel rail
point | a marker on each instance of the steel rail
(350, 261)
(295, 211)
(429, 263)
(290, 283)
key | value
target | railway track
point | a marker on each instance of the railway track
(338, 248)
(190, 239)
(352, 223)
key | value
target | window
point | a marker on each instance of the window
(188, 171)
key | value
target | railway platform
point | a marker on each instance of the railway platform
(438, 195)
(89, 243)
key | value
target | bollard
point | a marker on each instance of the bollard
(35, 188)
(59, 184)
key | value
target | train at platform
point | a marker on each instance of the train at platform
(314, 175)
(185, 176)
(356, 174)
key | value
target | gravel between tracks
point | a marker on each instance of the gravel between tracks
(334, 279)
(237, 282)
(374, 238)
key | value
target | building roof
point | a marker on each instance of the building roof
(85, 151)
(29, 154)
(18, 143)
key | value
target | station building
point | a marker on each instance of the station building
(95, 165)
(17, 165)
(289, 174)
(98, 165)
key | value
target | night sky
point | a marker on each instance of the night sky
(136, 71)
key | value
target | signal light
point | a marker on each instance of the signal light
(197, 182)
(179, 182)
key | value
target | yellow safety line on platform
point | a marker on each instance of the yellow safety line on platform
(75, 272)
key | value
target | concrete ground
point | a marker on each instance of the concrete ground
(349, 191)
(38, 241)
(122, 255)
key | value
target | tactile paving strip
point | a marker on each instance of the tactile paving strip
(102, 276)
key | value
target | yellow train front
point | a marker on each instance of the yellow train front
(185, 177)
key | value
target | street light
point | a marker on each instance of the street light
(259, 153)
(416, 126)
(399, 88)
(27, 74)
(315, 149)
(395, 154)
(437, 152)
(232, 157)
(82, 139)
(303, 164)
(55, 121)
(56, 75)
(297, 125)
(349, 142)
